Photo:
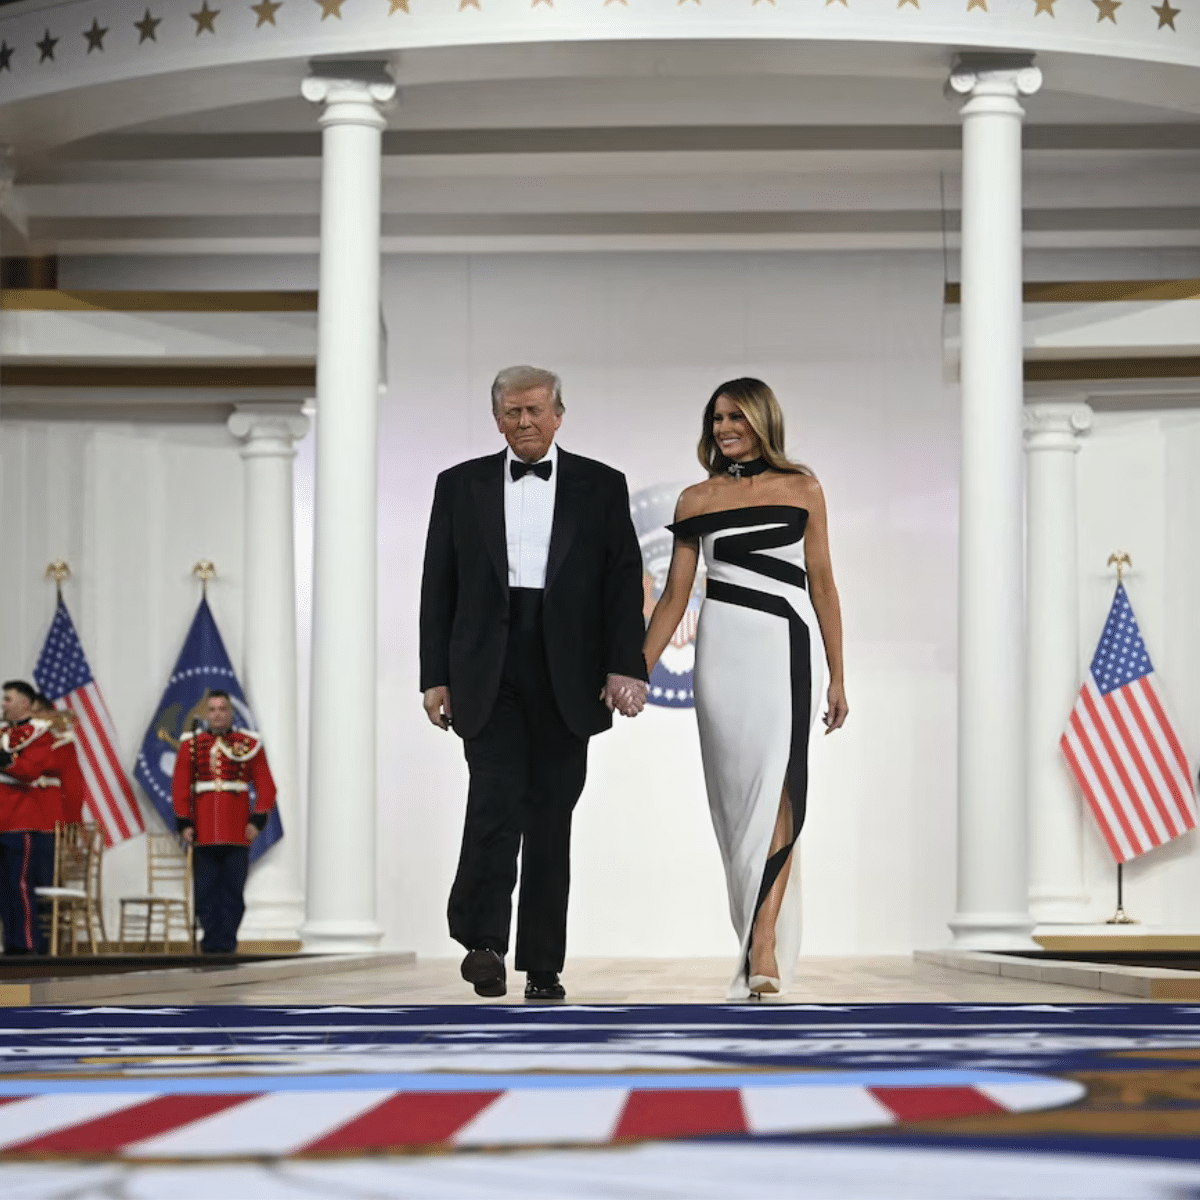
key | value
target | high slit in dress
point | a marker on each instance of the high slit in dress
(760, 669)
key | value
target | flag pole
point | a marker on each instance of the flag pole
(1120, 559)
(205, 571)
(1121, 917)
(58, 570)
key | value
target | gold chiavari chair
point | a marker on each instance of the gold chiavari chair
(165, 908)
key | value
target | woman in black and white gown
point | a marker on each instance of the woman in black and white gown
(769, 626)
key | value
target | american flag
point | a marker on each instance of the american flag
(1121, 747)
(62, 672)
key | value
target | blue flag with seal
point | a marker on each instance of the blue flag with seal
(202, 667)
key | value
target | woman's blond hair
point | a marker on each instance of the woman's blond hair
(763, 414)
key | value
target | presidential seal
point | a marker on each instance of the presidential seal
(652, 509)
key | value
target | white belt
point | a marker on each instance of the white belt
(46, 781)
(223, 786)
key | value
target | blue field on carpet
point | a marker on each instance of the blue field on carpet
(418, 1090)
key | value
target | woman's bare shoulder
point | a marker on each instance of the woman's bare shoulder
(693, 500)
(805, 491)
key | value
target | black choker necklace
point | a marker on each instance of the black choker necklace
(740, 470)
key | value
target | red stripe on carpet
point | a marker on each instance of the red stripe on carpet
(408, 1119)
(681, 1112)
(934, 1103)
(111, 1132)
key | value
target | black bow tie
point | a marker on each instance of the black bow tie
(520, 469)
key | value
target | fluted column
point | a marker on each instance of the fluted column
(1052, 439)
(341, 812)
(993, 905)
(275, 890)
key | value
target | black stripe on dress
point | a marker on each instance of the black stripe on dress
(801, 662)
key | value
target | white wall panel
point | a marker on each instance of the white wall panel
(131, 508)
(1136, 493)
(852, 345)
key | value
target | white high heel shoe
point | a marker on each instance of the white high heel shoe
(763, 985)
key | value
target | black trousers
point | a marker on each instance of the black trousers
(527, 771)
(220, 878)
(18, 904)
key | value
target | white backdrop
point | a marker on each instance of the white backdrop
(852, 344)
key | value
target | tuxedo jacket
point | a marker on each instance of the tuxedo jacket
(592, 603)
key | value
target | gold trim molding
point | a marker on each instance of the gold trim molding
(1059, 370)
(1097, 291)
(302, 375)
(56, 300)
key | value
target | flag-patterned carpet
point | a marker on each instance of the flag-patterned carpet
(986, 1102)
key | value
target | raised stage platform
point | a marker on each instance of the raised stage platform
(142, 978)
(400, 979)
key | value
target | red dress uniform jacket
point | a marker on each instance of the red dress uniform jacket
(74, 789)
(226, 767)
(62, 786)
(21, 805)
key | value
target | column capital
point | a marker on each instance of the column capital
(993, 82)
(1056, 426)
(353, 93)
(268, 430)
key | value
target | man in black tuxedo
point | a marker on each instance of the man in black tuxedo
(531, 636)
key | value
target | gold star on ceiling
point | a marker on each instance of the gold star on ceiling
(146, 27)
(535, 3)
(683, 2)
(205, 19)
(914, 3)
(754, 2)
(95, 36)
(1107, 9)
(469, 4)
(331, 8)
(398, 6)
(265, 12)
(977, 4)
(1043, 6)
(843, 3)
(1166, 14)
(608, 2)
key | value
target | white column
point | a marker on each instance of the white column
(341, 804)
(1052, 439)
(993, 904)
(274, 892)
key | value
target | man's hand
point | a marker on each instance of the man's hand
(189, 834)
(437, 707)
(624, 694)
(251, 831)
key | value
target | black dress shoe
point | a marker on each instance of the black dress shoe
(485, 969)
(544, 985)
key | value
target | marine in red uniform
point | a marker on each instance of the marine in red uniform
(26, 753)
(222, 793)
(62, 787)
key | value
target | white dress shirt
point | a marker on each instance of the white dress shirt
(528, 517)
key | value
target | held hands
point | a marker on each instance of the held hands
(624, 694)
(189, 834)
(838, 710)
(251, 831)
(437, 707)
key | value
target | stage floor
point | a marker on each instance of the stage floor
(966, 1100)
(398, 979)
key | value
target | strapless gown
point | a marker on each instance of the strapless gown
(759, 678)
